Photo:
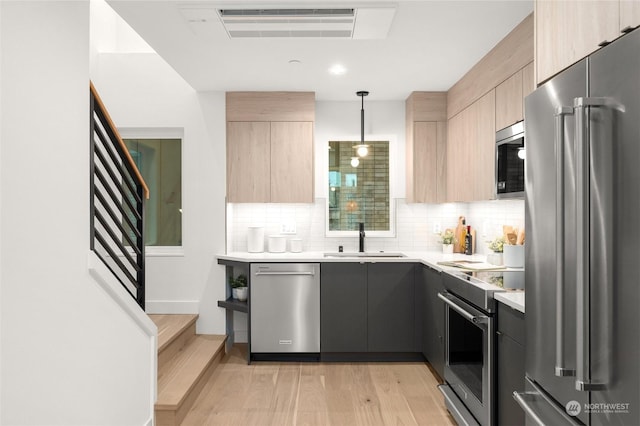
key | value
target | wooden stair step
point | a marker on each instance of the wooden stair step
(174, 331)
(170, 327)
(181, 378)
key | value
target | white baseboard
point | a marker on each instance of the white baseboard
(172, 306)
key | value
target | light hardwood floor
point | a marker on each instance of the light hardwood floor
(267, 393)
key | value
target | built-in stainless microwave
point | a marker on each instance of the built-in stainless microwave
(510, 156)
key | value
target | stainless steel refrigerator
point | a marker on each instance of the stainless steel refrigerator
(582, 206)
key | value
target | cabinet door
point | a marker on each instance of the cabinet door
(441, 162)
(629, 14)
(433, 319)
(390, 307)
(425, 157)
(291, 162)
(471, 152)
(509, 101)
(343, 307)
(483, 140)
(248, 162)
(458, 157)
(567, 31)
(511, 372)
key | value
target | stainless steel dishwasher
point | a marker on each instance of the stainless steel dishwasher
(285, 308)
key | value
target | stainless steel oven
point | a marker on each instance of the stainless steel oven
(469, 371)
(510, 154)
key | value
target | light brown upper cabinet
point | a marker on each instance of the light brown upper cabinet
(567, 31)
(426, 149)
(509, 101)
(292, 162)
(471, 152)
(248, 162)
(510, 96)
(509, 56)
(270, 147)
(629, 14)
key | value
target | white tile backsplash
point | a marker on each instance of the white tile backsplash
(414, 224)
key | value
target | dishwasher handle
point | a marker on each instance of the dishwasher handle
(276, 273)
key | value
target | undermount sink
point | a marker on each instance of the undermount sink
(365, 254)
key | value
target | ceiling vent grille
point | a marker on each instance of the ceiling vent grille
(288, 23)
(364, 23)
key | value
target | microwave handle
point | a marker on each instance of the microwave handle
(560, 368)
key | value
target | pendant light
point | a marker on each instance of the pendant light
(362, 149)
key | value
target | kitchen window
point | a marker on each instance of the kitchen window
(360, 188)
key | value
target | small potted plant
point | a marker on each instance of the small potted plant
(239, 287)
(447, 238)
(496, 246)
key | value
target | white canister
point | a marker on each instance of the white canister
(255, 239)
(295, 245)
(277, 244)
(513, 256)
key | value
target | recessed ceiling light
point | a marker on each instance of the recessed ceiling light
(337, 69)
(295, 61)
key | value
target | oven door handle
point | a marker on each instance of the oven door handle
(476, 319)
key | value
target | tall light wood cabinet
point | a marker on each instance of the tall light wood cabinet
(426, 147)
(270, 147)
(471, 152)
(567, 31)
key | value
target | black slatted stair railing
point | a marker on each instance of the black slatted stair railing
(118, 195)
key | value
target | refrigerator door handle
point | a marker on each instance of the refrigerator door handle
(560, 369)
(584, 382)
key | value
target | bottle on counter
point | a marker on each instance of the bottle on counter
(468, 242)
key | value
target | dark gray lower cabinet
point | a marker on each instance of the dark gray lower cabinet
(391, 307)
(511, 365)
(367, 307)
(343, 307)
(432, 318)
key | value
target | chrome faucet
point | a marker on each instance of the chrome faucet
(362, 235)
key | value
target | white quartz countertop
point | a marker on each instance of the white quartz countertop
(429, 258)
(514, 299)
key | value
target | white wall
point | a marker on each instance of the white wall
(141, 91)
(70, 356)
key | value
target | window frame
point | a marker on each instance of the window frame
(162, 133)
(393, 147)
